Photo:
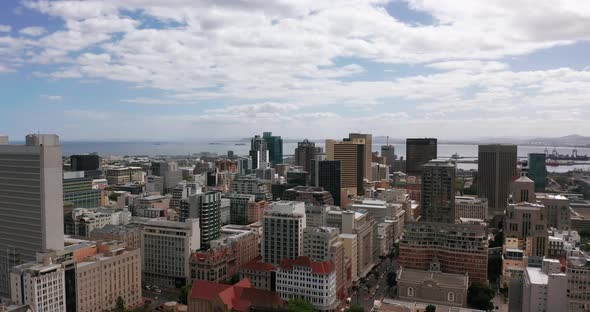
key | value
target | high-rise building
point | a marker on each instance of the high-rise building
(351, 155)
(438, 192)
(418, 153)
(305, 153)
(84, 162)
(328, 175)
(544, 288)
(460, 248)
(538, 170)
(388, 154)
(238, 207)
(166, 250)
(207, 208)
(368, 141)
(284, 222)
(578, 279)
(496, 168)
(309, 195)
(259, 153)
(39, 285)
(31, 202)
(169, 172)
(275, 148)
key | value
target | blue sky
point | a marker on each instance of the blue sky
(188, 69)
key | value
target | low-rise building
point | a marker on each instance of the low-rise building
(471, 207)
(544, 287)
(39, 285)
(262, 275)
(84, 220)
(130, 234)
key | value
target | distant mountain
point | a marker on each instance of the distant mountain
(568, 140)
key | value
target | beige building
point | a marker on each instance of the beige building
(471, 207)
(352, 155)
(544, 288)
(114, 271)
(129, 234)
(349, 241)
(322, 244)
(433, 286)
(578, 279)
(40, 285)
(558, 210)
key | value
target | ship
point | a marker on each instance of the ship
(574, 156)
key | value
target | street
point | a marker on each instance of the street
(377, 284)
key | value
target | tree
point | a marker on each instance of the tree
(430, 308)
(391, 279)
(355, 308)
(183, 296)
(299, 305)
(119, 305)
(498, 240)
(494, 268)
(479, 296)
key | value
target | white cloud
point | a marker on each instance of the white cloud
(5, 28)
(33, 31)
(51, 97)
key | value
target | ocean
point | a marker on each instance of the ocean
(221, 148)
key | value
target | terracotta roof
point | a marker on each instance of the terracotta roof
(322, 268)
(239, 297)
(256, 264)
(207, 290)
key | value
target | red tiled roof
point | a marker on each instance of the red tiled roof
(207, 290)
(322, 268)
(257, 265)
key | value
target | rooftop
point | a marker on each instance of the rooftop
(321, 268)
(456, 280)
(537, 276)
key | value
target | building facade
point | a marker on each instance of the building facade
(275, 148)
(40, 285)
(438, 192)
(328, 175)
(284, 223)
(206, 207)
(418, 153)
(305, 152)
(496, 168)
(351, 155)
(471, 207)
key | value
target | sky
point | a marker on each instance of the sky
(200, 69)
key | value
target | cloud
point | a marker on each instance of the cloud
(51, 97)
(5, 28)
(33, 31)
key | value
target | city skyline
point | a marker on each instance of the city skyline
(175, 70)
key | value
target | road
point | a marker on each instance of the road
(364, 298)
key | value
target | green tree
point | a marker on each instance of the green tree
(299, 305)
(479, 296)
(498, 240)
(355, 308)
(430, 308)
(120, 305)
(391, 279)
(494, 268)
(183, 296)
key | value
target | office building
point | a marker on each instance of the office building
(316, 196)
(274, 144)
(169, 172)
(39, 285)
(351, 155)
(418, 153)
(256, 211)
(380, 171)
(252, 185)
(259, 153)
(239, 207)
(78, 191)
(460, 248)
(321, 244)
(85, 220)
(438, 192)
(471, 207)
(84, 162)
(296, 277)
(284, 222)
(544, 288)
(109, 272)
(496, 168)
(578, 279)
(130, 234)
(155, 184)
(305, 152)
(206, 207)
(31, 202)
(166, 250)
(538, 170)
(558, 210)
(368, 141)
(388, 155)
(225, 211)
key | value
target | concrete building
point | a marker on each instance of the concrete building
(460, 248)
(31, 202)
(496, 169)
(305, 152)
(154, 184)
(316, 216)
(225, 211)
(206, 207)
(328, 175)
(322, 244)
(262, 275)
(558, 210)
(284, 223)
(130, 234)
(85, 220)
(239, 207)
(538, 170)
(259, 153)
(79, 192)
(438, 192)
(433, 286)
(112, 271)
(169, 172)
(388, 154)
(166, 250)
(351, 155)
(314, 282)
(350, 243)
(275, 148)
(256, 211)
(253, 186)
(84, 162)
(368, 141)
(544, 288)
(39, 285)
(528, 223)
(418, 153)
(316, 196)
(578, 278)
(471, 207)
(379, 171)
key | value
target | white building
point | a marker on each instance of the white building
(40, 285)
(314, 282)
(578, 279)
(85, 220)
(471, 207)
(544, 287)
(284, 222)
(166, 250)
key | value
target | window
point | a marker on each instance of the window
(451, 297)
(410, 292)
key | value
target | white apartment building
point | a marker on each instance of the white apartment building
(471, 207)
(284, 222)
(166, 250)
(40, 285)
(544, 287)
(314, 282)
(578, 279)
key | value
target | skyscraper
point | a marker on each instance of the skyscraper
(368, 138)
(538, 170)
(328, 174)
(305, 152)
(259, 152)
(207, 208)
(351, 155)
(418, 153)
(274, 144)
(284, 223)
(388, 154)
(438, 192)
(31, 202)
(496, 168)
